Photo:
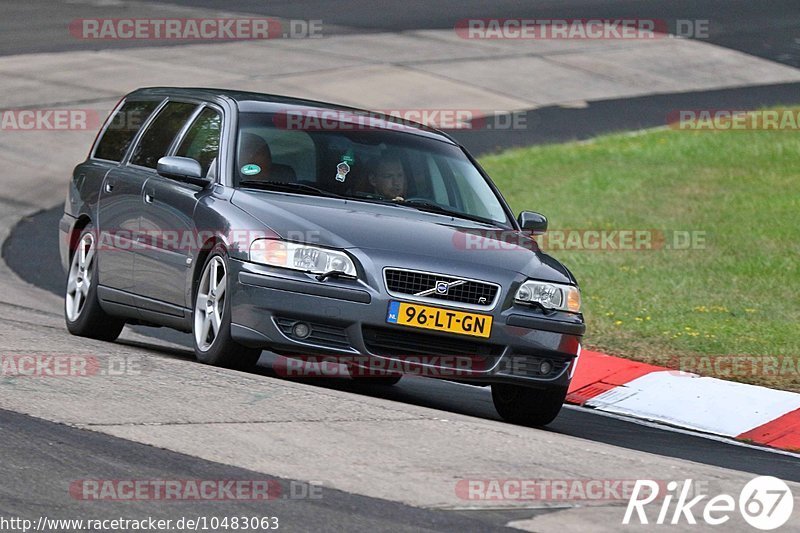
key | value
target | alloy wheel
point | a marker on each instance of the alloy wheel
(210, 303)
(79, 279)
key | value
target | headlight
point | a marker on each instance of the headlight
(550, 295)
(303, 257)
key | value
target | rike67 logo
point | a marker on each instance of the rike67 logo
(766, 503)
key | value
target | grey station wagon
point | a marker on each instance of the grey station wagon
(321, 233)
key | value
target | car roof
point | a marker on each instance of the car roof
(271, 103)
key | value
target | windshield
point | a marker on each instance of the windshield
(369, 164)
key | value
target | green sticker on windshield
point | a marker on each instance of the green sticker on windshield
(249, 170)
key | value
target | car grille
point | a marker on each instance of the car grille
(395, 342)
(411, 283)
(321, 334)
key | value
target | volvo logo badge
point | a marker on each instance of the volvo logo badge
(441, 288)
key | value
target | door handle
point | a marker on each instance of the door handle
(149, 196)
(109, 186)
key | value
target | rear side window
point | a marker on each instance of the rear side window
(159, 135)
(122, 129)
(202, 140)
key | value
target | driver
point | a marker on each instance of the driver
(388, 178)
(254, 150)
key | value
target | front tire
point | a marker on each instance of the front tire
(211, 320)
(527, 406)
(82, 312)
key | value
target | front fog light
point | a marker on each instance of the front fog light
(301, 330)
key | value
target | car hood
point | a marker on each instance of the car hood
(403, 231)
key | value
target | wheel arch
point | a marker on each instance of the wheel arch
(205, 250)
(80, 224)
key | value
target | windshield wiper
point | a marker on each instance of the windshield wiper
(425, 205)
(421, 205)
(371, 197)
(286, 186)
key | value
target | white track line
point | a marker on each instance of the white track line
(663, 427)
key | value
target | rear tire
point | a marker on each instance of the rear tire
(82, 312)
(527, 406)
(211, 319)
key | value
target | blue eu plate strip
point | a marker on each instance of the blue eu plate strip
(394, 310)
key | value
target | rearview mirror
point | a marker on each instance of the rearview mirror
(534, 222)
(182, 169)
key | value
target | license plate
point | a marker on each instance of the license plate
(426, 317)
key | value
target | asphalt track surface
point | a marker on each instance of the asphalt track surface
(55, 454)
(58, 455)
(769, 30)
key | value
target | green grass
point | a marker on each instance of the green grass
(739, 295)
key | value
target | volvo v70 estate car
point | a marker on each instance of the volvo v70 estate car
(315, 230)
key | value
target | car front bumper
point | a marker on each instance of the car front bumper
(347, 319)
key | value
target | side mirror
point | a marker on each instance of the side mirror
(183, 169)
(533, 222)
